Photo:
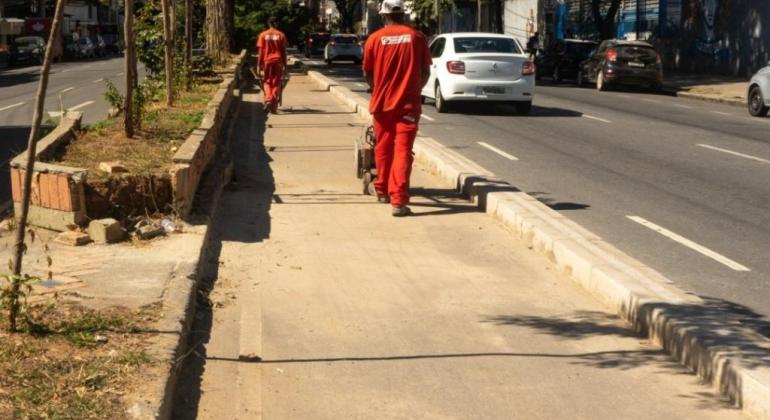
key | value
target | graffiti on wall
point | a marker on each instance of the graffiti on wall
(709, 44)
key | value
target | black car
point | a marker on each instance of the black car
(619, 62)
(315, 43)
(27, 49)
(562, 59)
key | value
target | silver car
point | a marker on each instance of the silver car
(343, 47)
(759, 93)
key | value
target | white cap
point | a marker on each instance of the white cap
(390, 7)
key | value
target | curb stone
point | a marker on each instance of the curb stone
(702, 336)
(706, 98)
(179, 304)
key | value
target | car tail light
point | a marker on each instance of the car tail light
(528, 68)
(612, 55)
(455, 67)
(332, 43)
(310, 40)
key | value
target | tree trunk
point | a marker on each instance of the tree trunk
(217, 37)
(168, 48)
(188, 39)
(478, 15)
(130, 68)
(31, 151)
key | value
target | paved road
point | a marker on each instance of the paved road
(80, 84)
(682, 185)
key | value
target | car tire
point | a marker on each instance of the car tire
(442, 106)
(601, 85)
(556, 75)
(756, 103)
(523, 108)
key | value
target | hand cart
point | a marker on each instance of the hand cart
(364, 160)
(284, 83)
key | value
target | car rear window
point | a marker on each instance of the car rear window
(637, 53)
(482, 45)
(345, 39)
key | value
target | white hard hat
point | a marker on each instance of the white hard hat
(390, 7)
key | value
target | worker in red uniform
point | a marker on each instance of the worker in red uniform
(271, 63)
(397, 65)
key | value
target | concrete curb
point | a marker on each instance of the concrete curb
(179, 303)
(701, 336)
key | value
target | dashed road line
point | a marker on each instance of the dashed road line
(427, 117)
(74, 108)
(67, 89)
(5, 108)
(721, 113)
(743, 155)
(361, 85)
(498, 151)
(591, 117)
(99, 80)
(682, 106)
(690, 244)
(652, 101)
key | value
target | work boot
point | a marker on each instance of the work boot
(401, 211)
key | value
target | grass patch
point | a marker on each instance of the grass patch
(154, 144)
(73, 363)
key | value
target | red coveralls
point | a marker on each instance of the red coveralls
(396, 55)
(272, 57)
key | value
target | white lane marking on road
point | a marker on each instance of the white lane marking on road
(67, 90)
(720, 113)
(719, 149)
(65, 70)
(682, 106)
(74, 108)
(653, 101)
(99, 80)
(498, 151)
(5, 108)
(690, 244)
(428, 117)
(624, 96)
(119, 74)
(591, 117)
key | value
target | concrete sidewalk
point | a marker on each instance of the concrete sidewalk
(713, 88)
(326, 307)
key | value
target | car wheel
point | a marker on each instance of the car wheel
(757, 107)
(556, 76)
(601, 85)
(441, 105)
(523, 108)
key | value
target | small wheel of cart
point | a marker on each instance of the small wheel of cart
(368, 183)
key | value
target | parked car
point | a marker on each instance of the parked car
(343, 47)
(100, 47)
(479, 67)
(759, 92)
(620, 62)
(315, 43)
(27, 49)
(86, 48)
(562, 59)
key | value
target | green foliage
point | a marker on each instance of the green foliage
(251, 19)
(113, 96)
(13, 293)
(149, 38)
(427, 8)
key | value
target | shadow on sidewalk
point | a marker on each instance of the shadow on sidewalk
(243, 216)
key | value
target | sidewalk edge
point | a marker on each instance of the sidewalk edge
(179, 304)
(706, 98)
(678, 322)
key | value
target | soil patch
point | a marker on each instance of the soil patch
(74, 363)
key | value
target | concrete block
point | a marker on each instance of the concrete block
(53, 219)
(105, 231)
(149, 232)
(113, 167)
(73, 238)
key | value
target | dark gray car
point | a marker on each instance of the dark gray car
(759, 92)
(620, 62)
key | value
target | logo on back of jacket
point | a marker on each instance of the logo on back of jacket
(273, 37)
(396, 39)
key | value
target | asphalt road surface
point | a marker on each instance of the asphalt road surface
(682, 185)
(79, 85)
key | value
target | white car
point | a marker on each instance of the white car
(759, 93)
(478, 66)
(343, 47)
